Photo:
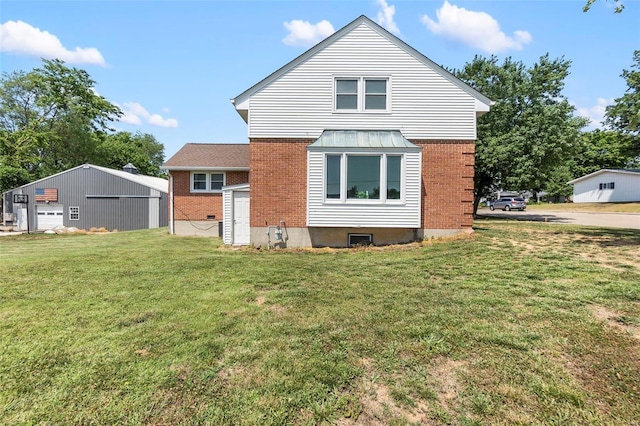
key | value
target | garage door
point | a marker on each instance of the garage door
(49, 217)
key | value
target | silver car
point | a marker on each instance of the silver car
(509, 203)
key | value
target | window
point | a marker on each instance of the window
(607, 185)
(353, 177)
(363, 177)
(207, 181)
(74, 213)
(347, 94)
(361, 94)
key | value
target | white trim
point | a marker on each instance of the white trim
(241, 104)
(627, 172)
(207, 181)
(205, 168)
(361, 94)
(383, 200)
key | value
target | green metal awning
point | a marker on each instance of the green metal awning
(370, 139)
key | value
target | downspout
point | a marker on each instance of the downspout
(171, 224)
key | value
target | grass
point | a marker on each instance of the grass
(588, 207)
(521, 323)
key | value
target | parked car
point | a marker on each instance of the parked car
(509, 203)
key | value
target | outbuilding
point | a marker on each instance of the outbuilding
(88, 196)
(607, 186)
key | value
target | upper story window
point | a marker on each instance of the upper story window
(361, 94)
(207, 181)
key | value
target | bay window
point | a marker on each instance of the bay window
(351, 177)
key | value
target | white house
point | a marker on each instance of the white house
(607, 186)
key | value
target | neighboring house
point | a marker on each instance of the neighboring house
(89, 196)
(607, 186)
(197, 174)
(360, 139)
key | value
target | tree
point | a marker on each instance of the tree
(531, 128)
(51, 119)
(624, 114)
(598, 149)
(140, 149)
(618, 5)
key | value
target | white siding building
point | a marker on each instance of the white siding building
(607, 186)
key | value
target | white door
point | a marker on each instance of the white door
(21, 214)
(240, 217)
(49, 217)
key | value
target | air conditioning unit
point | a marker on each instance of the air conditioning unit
(9, 217)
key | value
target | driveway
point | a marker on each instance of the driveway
(607, 220)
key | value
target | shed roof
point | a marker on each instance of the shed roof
(210, 156)
(590, 175)
(380, 139)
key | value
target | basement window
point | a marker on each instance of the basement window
(360, 240)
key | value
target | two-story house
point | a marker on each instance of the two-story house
(360, 139)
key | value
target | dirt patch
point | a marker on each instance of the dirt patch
(613, 319)
(444, 373)
(380, 408)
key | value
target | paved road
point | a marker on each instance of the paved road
(609, 220)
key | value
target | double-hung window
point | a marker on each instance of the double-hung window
(361, 94)
(207, 181)
(351, 177)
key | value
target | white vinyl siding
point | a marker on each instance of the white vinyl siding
(421, 102)
(626, 187)
(403, 213)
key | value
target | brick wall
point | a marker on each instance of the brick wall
(447, 183)
(279, 175)
(278, 181)
(197, 206)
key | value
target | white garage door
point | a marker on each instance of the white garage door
(49, 217)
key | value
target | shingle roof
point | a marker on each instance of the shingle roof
(222, 156)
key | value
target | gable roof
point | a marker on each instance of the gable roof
(210, 156)
(590, 175)
(152, 182)
(339, 34)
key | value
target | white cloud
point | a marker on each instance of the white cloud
(134, 113)
(157, 120)
(385, 17)
(594, 113)
(305, 34)
(23, 39)
(474, 29)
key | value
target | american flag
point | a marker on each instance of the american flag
(46, 194)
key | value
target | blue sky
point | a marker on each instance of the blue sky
(173, 66)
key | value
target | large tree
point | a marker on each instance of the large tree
(52, 119)
(531, 128)
(624, 114)
(140, 149)
(598, 149)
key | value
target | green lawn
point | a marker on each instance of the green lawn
(520, 323)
